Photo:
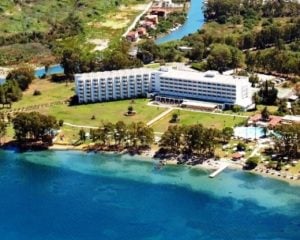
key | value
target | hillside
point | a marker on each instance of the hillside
(26, 25)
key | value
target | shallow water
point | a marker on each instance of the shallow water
(72, 195)
(194, 22)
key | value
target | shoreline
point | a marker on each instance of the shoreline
(147, 156)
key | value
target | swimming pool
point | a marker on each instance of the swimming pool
(249, 132)
(54, 69)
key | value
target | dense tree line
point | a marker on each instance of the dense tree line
(22, 75)
(34, 126)
(223, 57)
(287, 146)
(227, 10)
(77, 61)
(267, 94)
(193, 140)
(17, 81)
(70, 26)
(274, 60)
(10, 92)
(133, 136)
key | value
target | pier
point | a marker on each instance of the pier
(219, 170)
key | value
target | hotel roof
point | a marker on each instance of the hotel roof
(115, 73)
(209, 76)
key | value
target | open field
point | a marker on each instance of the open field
(81, 114)
(106, 111)
(51, 92)
(209, 120)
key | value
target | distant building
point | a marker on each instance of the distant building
(152, 18)
(165, 84)
(167, 3)
(132, 36)
(142, 31)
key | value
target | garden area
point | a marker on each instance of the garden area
(208, 120)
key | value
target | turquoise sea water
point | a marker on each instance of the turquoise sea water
(194, 22)
(62, 195)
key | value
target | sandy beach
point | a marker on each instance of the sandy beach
(210, 165)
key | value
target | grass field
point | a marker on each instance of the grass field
(51, 92)
(208, 120)
(107, 112)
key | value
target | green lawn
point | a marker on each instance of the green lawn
(81, 114)
(206, 119)
(272, 109)
(107, 111)
(51, 92)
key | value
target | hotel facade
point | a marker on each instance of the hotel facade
(165, 83)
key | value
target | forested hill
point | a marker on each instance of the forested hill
(40, 15)
(27, 25)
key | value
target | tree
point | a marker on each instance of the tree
(253, 79)
(227, 133)
(241, 146)
(61, 122)
(265, 114)
(33, 126)
(219, 58)
(171, 139)
(252, 162)
(174, 118)
(70, 62)
(282, 107)
(120, 132)
(2, 130)
(22, 75)
(236, 108)
(268, 93)
(130, 110)
(81, 134)
(288, 144)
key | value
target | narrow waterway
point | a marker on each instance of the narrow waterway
(195, 20)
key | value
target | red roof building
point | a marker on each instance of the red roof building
(132, 36)
(273, 120)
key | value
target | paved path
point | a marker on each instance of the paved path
(132, 26)
(160, 116)
(79, 126)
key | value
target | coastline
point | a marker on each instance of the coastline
(148, 156)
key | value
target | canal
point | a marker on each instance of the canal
(195, 20)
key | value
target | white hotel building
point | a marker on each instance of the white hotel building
(165, 83)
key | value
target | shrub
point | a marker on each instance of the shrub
(241, 146)
(61, 122)
(252, 162)
(37, 92)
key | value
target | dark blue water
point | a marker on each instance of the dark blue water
(194, 22)
(54, 69)
(68, 195)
